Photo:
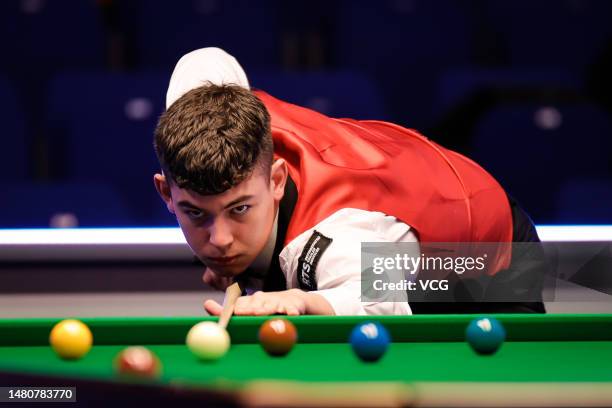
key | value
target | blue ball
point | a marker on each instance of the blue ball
(485, 335)
(370, 341)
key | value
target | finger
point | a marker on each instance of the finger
(207, 277)
(280, 309)
(292, 311)
(215, 281)
(244, 305)
(212, 307)
(267, 308)
(211, 279)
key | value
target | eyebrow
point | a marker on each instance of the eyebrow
(185, 203)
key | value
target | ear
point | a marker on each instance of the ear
(163, 189)
(278, 178)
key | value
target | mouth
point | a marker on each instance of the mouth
(222, 261)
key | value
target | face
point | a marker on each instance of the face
(227, 231)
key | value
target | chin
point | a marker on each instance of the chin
(229, 272)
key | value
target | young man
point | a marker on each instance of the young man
(281, 197)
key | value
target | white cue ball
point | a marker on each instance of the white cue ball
(208, 341)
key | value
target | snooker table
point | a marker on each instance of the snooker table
(547, 360)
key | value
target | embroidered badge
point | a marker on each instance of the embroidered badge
(308, 260)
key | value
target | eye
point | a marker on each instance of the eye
(194, 214)
(241, 209)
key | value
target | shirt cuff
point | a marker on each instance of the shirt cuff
(343, 301)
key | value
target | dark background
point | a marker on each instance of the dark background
(522, 87)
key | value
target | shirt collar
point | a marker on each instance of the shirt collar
(262, 262)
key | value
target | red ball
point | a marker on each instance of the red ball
(137, 361)
(277, 336)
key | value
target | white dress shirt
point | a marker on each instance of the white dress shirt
(338, 272)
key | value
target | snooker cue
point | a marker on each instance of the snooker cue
(232, 293)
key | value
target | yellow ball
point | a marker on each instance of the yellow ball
(71, 339)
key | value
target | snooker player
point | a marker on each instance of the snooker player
(281, 197)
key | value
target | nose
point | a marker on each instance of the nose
(220, 234)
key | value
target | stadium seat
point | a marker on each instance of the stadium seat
(14, 163)
(49, 35)
(585, 201)
(464, 94)
(164, 31)
(551, 32)
(331, 93)
(404, 44)
(101, 129)
(401, 33)
(457, 85)
(531, 149)
(42, 205)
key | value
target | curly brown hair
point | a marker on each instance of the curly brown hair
(213, 137)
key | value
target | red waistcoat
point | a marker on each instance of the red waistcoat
(379, 166)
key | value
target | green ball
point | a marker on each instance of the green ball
(485, 335)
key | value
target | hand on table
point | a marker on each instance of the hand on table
(289, 302)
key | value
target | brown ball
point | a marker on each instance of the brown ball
(137, 361)
(277, 336)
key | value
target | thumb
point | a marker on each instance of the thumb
(214, 281)
(212, 307)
